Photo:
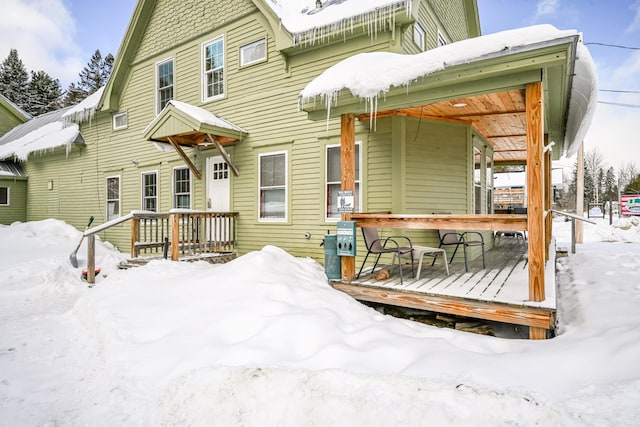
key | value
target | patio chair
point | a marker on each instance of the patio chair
(466, 239)
(376, 245)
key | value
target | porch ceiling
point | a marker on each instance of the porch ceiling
(499, 117)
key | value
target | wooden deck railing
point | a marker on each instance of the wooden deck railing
(182, 233)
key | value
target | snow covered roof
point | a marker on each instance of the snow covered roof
(308, 23)
(12, 170)
(17, 110)
(205, 116)
(43, 133)
(372, 75)
(84, 110)
(519, 179)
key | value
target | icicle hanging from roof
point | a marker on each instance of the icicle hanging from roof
(85, 110)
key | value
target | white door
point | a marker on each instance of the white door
(218, 185)
(218, 200)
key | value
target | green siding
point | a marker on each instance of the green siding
(262, 99)
(17, 208)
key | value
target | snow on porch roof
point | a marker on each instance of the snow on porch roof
(181, 118)
(370, 75)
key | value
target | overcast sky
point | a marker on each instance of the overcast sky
(59, 37)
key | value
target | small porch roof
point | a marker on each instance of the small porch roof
(478, 81)
(190, 126)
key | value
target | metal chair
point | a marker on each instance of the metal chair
(452, 237)
(389, 245)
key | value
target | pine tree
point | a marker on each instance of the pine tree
(44, 93)
(633, 187)
(92, 77)
(14, 80)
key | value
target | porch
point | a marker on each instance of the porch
(496, 293)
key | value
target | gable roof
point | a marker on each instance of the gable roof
(11, 170)
(18, 113)
(430, 84)
(43, 133)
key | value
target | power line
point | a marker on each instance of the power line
(614, 45)
(620, 104)
(620, 91)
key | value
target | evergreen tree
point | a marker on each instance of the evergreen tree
(44, 93)
(92, 77)
(610, 186)
(14, 80)
(633, 187)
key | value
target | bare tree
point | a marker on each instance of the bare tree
(627, 173)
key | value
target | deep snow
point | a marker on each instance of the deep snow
(264, 340)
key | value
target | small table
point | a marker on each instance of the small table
(420, 251)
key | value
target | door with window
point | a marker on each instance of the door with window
(219, 198)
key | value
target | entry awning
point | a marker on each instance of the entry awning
(185, 125)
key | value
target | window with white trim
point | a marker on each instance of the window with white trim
(119, 121)
(4, 196)
(213, 69)
(489, 183)
(253, 52)
(441, 39)
(150, 191)
(164, 83)
(272, 186)
(113, 197)
(477, 180)
(182, 188)
(419, 36)
(333, 179)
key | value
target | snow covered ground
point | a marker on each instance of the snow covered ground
(264, 341)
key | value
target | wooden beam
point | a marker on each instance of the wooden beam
(535, 189)
(505, 222)
(520, 315)
(185, 158)
(174, 220)
(347, 180)
(223, 153)
(91, 259)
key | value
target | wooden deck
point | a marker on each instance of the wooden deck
(498, 293)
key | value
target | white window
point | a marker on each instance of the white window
(477, 180)
(441, 40)
(272, 173)
(150, 191)
(333, 179)
(213, 69)
(182, 188)
(489, 183)
(113, 197)
(4, 196)
(164, 83)
(419, 36)
(253, 52)
(119, 121)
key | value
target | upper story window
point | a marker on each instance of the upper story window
(334, 182)
(272, 185)
(182, 188)
(213, 69)
(164, 83)
(113, 197)
(4, 196)
(150, 191)
(419, 36)
(119, 121)
(253, 52)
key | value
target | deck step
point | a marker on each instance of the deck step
(212, 258)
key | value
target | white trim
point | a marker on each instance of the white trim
(173, 187)
(126, 120)
(203, 72)
(156, 89)
(441, 40)
(107, 199)
(358, 180)
(286, 185)
(8, 196)
(418, 30)
(263, 40)
(142, 188)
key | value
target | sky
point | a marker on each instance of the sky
(59, 37)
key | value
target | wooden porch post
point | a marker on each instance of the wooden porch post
(174, 219)
(535, 183)
(347, 172)
(135, 232)
(548, 195)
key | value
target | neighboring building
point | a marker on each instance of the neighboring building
(13, 180)
(510, 189)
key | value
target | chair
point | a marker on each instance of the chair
(452, 237)
(376, 245)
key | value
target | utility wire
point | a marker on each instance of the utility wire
(614, 45)
(619, 104)
(620, 91)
